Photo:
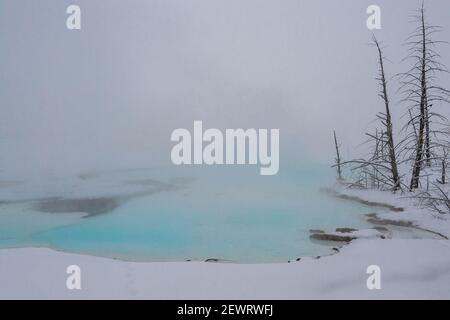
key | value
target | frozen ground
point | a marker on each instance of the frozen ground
(409, 269)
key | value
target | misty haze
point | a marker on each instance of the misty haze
(351, 161)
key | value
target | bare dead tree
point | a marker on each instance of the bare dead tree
(338, 157)
(421, 144)
(444, 163)
(374, 169)
(420, 92)
(437, 200)
(386, 120)
(380, 168)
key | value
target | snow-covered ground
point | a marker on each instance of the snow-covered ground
(419, 217)
(410, 268)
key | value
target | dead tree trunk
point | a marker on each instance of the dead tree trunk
(419, 150)
(338, 157)
(423, 110)
(444, 160)
(421, 91)
(387, 120)
(427, 135)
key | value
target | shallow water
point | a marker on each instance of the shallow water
(231, 214)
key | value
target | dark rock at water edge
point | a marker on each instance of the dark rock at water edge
(345, 230)
(331, 237)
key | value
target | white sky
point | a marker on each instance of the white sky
(110, 95)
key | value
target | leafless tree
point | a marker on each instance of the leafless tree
(338, 157)
(387, 138)
(375, 170)
(380, 168)
(420, 91)
(444, 163)
(437, 200)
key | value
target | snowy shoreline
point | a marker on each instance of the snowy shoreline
(401, 209)
(410, 268)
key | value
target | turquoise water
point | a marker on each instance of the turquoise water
(231, 214)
